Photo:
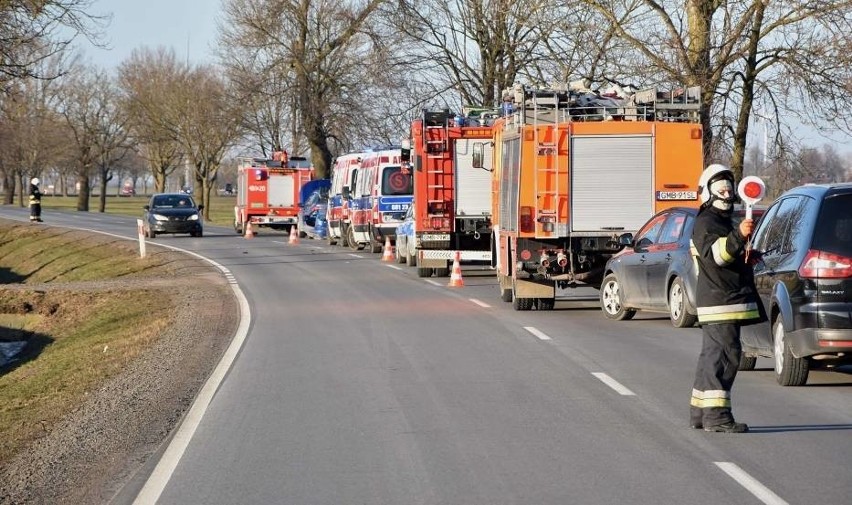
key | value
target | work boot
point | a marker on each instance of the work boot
(696, 425)
(729, 427)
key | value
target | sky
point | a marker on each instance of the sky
(187, 26)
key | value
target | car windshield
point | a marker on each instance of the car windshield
(834, 226)
(172, 201)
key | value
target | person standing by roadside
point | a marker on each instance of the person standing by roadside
(35, 201)
(726, 299)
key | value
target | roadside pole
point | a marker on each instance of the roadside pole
(141, 229)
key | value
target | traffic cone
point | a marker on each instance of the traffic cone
(249, 233)
(387, 254)
(456, 277)
(294, 234)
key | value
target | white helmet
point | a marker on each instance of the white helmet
(35, 181)
(713, 180)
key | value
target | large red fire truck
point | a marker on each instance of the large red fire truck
(452, 199)
(268, 191)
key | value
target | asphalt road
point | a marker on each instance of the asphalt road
(359, 383)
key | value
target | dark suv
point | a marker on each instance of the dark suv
(804, 276)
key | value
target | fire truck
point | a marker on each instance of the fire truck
(268, 191)
(379, 199)
(572, 172)
(344, 173)
(452, 200)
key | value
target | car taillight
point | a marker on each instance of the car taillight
(820, 264)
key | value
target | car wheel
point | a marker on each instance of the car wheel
(747, 363)
(520, 303)
(331, 240)
(350, 239)
(611, 300)
(238, 228)
(789, 370)
(344, 236)
(411, 255)
(506, 294)
(302, 234)
(375, 245)
(679, 305)
(400, 258)
(442, 272)
(424, 272)
(152, 233)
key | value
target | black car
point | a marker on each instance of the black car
(655, 271)
(172, 213)
(804, 276)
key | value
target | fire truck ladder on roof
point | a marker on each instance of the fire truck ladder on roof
(546, 112)
(436, 134)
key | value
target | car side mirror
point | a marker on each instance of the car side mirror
(147, 207)
(200, 207)
(625, 239)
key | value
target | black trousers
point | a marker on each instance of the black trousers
(714, 377)
(35, 210)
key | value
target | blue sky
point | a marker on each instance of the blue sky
(187, 26)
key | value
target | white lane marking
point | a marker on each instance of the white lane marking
(356, 255)
(481, 304)
(394, 267)
(760, 491)
(614, 384)
(433, 282)
(537, 333)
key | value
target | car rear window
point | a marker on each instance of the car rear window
(834, 225)
(397, 181)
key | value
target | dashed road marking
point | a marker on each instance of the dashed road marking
(433, 282)
(481, 304)
(539, 334)
(753, 486)
(356, 255)
(394, 267)
(614, 384)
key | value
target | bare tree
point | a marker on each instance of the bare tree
(30, 131)
(739, 53)
(328, 53)
(147, 80)
(34, 31)
(92, 117)
(205, 123)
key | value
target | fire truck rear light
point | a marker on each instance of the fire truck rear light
(835, 343)
(527, 225)
(526, 254)
(545, 260)
(436, 222)
(695, 133)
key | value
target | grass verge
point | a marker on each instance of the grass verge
(86, 305)
(221, 206)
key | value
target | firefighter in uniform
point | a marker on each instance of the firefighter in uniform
(726, 299)
(35, 201)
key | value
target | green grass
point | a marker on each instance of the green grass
(221, 211)
(78, 334)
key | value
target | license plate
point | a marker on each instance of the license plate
(435, 237)
(676, 195)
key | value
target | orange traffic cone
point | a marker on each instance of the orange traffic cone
(294, 234)
(456, 277)
(387, 254)
(249, 233)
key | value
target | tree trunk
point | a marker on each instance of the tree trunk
(83, 195)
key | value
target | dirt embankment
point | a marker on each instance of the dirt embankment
(92, 452)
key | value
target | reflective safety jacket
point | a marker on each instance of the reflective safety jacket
(35, 194)
(725, 292)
